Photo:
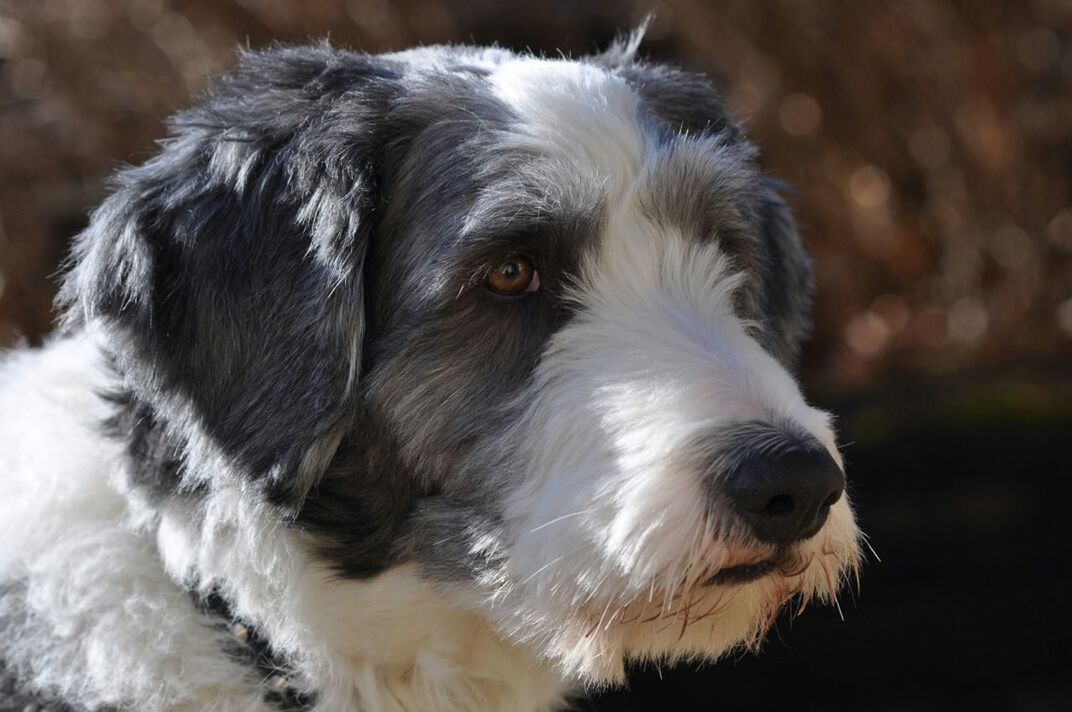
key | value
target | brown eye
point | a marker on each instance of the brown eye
(513, 277)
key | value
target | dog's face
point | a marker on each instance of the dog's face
(526, 323)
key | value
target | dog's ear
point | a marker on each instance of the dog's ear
(787, 281)
(225, 273)
(687, 101)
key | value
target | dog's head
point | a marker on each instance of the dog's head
(527, 323)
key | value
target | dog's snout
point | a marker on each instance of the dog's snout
(785, 496)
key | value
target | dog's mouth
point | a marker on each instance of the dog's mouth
(743, 573)
(785, 561)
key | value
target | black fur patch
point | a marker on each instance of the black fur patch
(227, 269)
(154, 461)
(361, 504)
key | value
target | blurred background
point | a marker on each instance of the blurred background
(930, 147)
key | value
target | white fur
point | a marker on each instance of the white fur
(88, 611)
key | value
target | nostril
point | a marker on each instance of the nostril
(779, 506)
(832, 499)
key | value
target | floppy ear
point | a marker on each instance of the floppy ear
(225, 273)
(787, 283)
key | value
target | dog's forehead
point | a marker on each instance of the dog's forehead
(593, 135)
(580, 113)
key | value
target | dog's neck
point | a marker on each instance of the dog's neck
(249, 646)
(391, 642)
(323, 618)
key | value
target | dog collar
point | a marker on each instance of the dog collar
(249, 647)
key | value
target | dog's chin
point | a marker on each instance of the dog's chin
(732, 609)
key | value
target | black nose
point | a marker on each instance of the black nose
(786, 496)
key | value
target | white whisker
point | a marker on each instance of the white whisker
(559, 519)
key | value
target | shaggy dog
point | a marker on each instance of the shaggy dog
(451, 379)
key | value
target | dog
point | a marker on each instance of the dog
(448, 379)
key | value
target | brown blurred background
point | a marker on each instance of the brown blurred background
(930, 145)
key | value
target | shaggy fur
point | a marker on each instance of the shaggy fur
(289, 451)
